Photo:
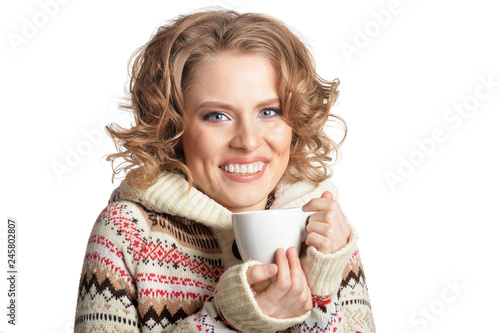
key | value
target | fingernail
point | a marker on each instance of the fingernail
(294, 250)
(271, 270)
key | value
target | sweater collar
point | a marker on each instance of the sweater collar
(172, 194)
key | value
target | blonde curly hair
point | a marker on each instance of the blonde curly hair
(160, 74)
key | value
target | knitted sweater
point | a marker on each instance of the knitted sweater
(161, 260)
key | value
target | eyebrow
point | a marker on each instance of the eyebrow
(221, 105)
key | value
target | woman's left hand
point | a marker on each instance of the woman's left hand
(327, 229)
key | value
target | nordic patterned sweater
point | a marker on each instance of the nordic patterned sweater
(162, 261)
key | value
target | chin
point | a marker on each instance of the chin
(246, 204)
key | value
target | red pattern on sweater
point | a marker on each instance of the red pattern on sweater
(355, 253)
(159, 253)
(172, 280)
(321, 301)
(101, 240)
(171, 287)
(153, 251)
(115, 215)
(183, 295)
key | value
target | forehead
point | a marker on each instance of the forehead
(234, 75)
(231, 61)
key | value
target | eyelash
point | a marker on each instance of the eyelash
(275, 110)
(209, 115)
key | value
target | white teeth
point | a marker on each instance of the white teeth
(244, 169)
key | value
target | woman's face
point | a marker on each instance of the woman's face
(236, 142)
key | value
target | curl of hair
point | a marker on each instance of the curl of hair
(160, 74)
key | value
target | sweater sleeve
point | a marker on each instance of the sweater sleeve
(233, 308)
(107, 299)
(340, 297)
(236, 303)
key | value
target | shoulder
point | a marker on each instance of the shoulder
(122, 223)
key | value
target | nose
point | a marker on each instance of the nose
(247, 136)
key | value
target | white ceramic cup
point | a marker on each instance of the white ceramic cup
(260, 233)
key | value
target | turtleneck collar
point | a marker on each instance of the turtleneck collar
(172, 194)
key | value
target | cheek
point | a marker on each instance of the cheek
(280, 139)
(190, 144)
(200, 147)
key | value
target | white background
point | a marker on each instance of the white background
(427, 241)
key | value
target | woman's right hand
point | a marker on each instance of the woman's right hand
(289, 295)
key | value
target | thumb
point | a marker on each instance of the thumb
(327, 195)
(259, 273)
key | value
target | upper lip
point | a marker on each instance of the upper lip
(245, 160)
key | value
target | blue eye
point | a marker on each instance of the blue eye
(215, 116)
(269, 112)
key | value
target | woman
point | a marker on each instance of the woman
(229, 115)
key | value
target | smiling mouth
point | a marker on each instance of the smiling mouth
(244, 169)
